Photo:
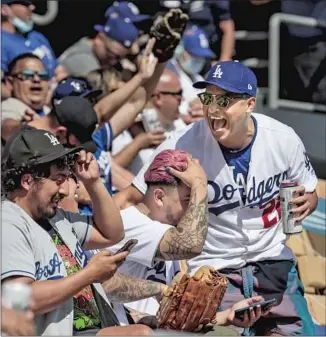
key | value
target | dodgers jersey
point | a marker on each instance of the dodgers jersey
(242, 231)
(33, 42)
(29, 251)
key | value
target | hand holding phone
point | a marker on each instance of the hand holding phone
(239, 313)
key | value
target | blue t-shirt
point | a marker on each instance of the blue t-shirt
(103, 139)
(238, 162)
(33, 42)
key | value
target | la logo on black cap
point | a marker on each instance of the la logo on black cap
(54, 141)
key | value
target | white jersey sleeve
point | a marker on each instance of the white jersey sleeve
(148, 233)
(301, 169)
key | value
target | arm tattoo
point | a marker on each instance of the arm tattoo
(125, 288)
(187, 239)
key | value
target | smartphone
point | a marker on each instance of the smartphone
(239, 313)
(128, 246)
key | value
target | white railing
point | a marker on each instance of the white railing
(49, 16)
(274, 60)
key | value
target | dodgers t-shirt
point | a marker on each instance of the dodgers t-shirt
(14, 44)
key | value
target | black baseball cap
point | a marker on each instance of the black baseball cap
(33, 147)
(77, 114)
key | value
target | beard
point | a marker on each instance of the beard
(49, 210)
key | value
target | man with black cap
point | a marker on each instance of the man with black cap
(43, 245)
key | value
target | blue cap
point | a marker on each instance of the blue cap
(195, 42)
(119, 29)
(231, 76)
(75, 87)
(126, 9)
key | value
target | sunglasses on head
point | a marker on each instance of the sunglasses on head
(222, 101)
(178, 93)
(28, 75)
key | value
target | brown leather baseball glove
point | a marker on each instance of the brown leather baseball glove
(168, 30)
(191, 302)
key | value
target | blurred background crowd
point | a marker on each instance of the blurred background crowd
(97, 50)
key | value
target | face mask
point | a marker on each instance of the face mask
(193, 65)
(22, 26)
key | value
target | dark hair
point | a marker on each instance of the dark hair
(11, 177)
(13, 62)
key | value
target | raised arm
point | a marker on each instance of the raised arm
(127, 114)
(108, 228)
(187, 239)
(111, 104)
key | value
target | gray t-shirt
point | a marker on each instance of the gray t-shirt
(79, 58)
(29, 251)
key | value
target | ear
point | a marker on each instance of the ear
(10, 83)
(27, 181)
(157, 99)
(61, 133)
(6, 11)
(158, 197)
(251, 105)
(73, 140)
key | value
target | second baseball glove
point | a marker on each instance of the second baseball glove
(191, 302)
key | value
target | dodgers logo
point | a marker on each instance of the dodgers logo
(223, 199)
(218, 72)
(48, 271)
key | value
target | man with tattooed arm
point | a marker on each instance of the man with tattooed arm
(170, 225)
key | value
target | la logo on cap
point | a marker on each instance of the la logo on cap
(54, 141)
(218, 72)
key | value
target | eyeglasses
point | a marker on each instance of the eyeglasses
(178, 93)
(222, 101)
(28, 75)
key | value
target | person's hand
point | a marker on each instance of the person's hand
(29, 115)
(102, 266)
(151, 139)
(147, 62)
(193, 175)
(17, 323)
(86, 168)
(250, 316)
(196, 110)
(159, 296)
(301, 205)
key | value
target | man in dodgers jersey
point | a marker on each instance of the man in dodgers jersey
(43, 244)
(174, 211)
(245, 157)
